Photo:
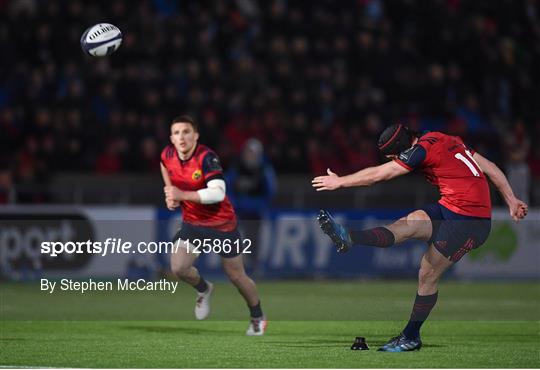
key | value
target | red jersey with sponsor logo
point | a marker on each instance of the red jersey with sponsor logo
(449, 164)
(193, 174)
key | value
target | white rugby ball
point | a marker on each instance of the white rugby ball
(101, 39)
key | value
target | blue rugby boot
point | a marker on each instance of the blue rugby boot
(401, 344)
(339, 235)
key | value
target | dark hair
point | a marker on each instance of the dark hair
(186, 119)
(395, 139)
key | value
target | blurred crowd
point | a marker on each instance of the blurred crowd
(314, 81)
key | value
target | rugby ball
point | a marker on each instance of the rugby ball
(101, 39)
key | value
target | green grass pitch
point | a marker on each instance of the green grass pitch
(312, 324)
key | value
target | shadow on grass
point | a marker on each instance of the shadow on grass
(378, 344)
(333, 344)
(310, 343)
(176, 329)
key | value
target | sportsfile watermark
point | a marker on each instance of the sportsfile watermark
(119, 246)
(109, 246)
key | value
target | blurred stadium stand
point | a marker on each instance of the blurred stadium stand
(314, 81)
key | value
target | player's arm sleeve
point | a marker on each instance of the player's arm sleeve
(166, 154)
(211, 168)
(162, 158)
(412, 158)
(214, 192)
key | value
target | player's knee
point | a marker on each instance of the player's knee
(405, 228)
(416, 224)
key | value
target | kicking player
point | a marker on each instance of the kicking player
(194, 182)
(459, 222)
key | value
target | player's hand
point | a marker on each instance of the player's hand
(518, 209)
(172, 204)
(172, 193)
(330, 182)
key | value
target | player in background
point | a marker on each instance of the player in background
(459, 222)
(194, 182)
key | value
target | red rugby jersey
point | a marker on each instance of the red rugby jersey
(449, 165)
(193, 174)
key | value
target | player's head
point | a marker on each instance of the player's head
(395, 139)
(184, 134)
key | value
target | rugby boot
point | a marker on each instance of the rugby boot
(202, 305)
(339, 235)
(402, 344)
(257, 326)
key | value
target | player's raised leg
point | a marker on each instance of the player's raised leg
(433, 265)
(234, 268)
(182, 260)
(416, 225)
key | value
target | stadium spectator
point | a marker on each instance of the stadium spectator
(251, 179)
(251, 182)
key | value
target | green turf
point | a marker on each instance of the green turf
(312, 324)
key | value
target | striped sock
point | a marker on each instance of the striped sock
(255, 311)
(423, 304)
(378, 237)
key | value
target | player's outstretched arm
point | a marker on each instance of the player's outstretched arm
(367, 176)
(518, 208)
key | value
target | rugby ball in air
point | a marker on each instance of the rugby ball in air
(101, 39)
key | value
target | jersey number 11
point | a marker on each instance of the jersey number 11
(468, 163)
